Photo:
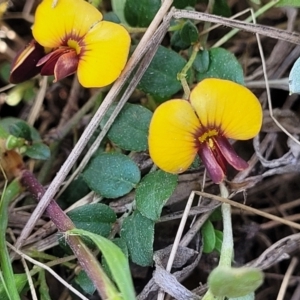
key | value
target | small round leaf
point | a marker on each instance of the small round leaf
(208, 236)
(138, 232)
(201, 63)
(160, 79)
(111, 175)
(223, 64)
(184, 3)
(130, 129)
(141, 13)
(153, 192)
(97, 218)
(189, 32)
(38, 151)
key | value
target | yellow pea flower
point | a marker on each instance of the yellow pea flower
(217, 110)
(79, 41)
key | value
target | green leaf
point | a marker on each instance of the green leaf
(189, 32)
(216, 215)
(111, 17)
(16, 94)
(38, 151)
(5, 71)
(177, 43)
(85, 283)
(153, 192)
(293, 3)
(141, 13)
(4, 134)
(294, 78)
(160, 79)
(20, 280)
(118, 9)
(234, 282)
(6, 124)
(111, 175)
(116, 260)
(97, 218)
(208, 236)
(224, 65)
(130, 129)
(10, 283)
(121, 243)
(250, 296)
(219, 240)
(20, 130)
(201, 63)
(221, 8)
(138, 232)
(184, 3)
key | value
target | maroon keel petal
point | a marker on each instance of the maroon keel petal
(66, 65)
(49, 61)
(24, 65)
(229, 153)
(214, 170)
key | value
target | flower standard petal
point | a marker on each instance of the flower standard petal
(105, 52)
(172, 136)
(69, 18)
(228, 106)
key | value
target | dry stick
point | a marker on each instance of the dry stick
(29, 279)
(286, 278)
(161, 294)
(38, 102)
(251, 209)
(275, 33)
(82, 142)
(72, 105)
(47, 268)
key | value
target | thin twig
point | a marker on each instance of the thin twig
(275, 33)
(43, 266)
(286, 278)
(251, 209)
(185, 215)
(36, 108)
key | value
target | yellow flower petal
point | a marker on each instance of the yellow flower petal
(104, 56)
(172, 144)
(68, 18)
(229, 106)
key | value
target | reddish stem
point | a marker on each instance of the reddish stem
(63, 223)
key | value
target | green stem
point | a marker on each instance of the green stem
(227, 243)
(183, 74)
(9, 281)
(233, 32)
